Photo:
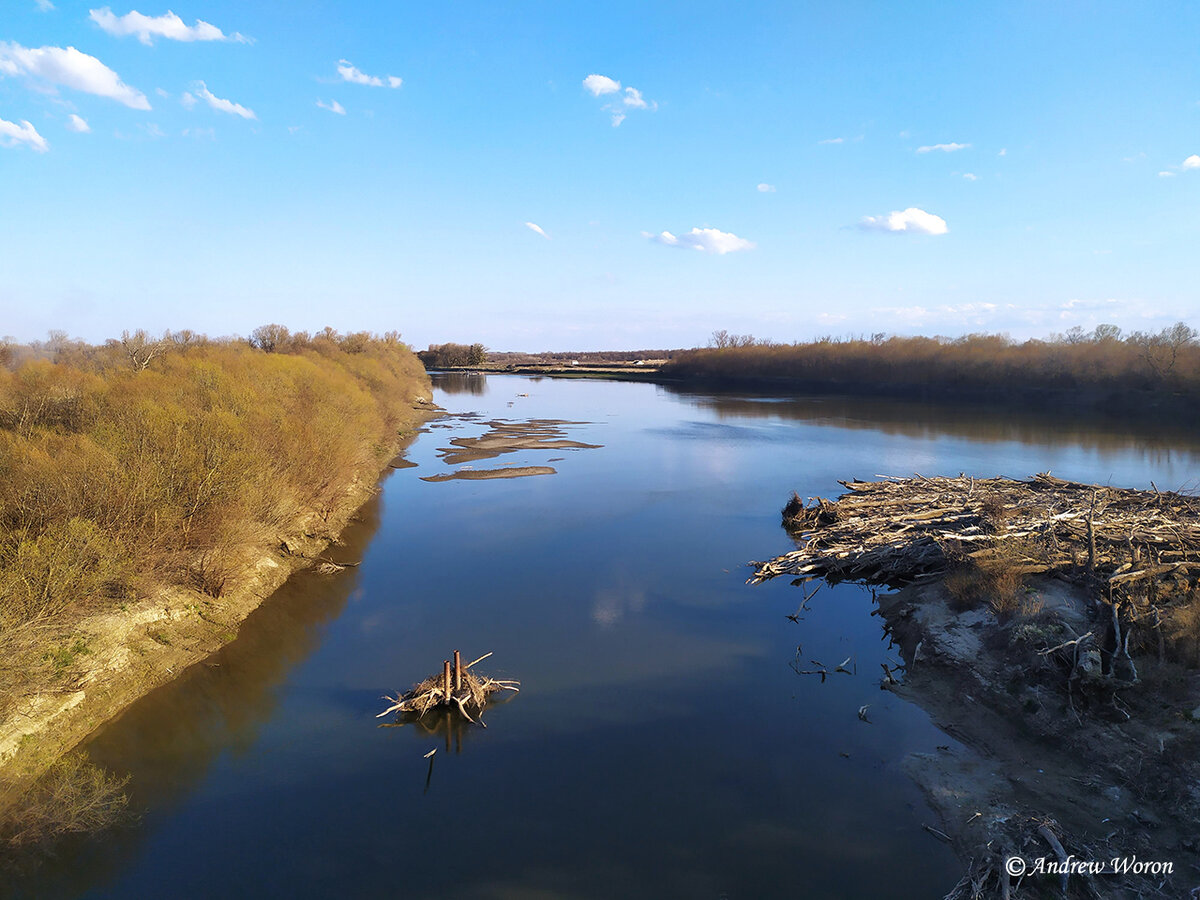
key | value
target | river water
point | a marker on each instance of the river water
(662, 745)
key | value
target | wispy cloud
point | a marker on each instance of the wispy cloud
(168, 26)
(765, 188)
(970, 176)
(353, 75)
(912, 220)
(70, 68)
(944, 148)
(78, 124)
(44, 5)
(706, 240)
(225, 106)
(333, 106)
(602, 85)
(836, 140)
(12, 135)
(537, 229)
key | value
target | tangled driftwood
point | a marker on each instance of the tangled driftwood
(454, 687)
(904, 530)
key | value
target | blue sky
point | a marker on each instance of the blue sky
(782, 169)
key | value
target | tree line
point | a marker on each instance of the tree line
(1103, 360)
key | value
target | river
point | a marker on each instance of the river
(662, 744)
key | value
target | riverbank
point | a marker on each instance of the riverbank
(185, 494)
(132, 651)
(1076, 691)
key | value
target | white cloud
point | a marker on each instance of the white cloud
(168, 26)
(945, 148)
(77, 124)
(44, 5)
(70, 68)
(333, 106)
(225, 106)
(355, 76)
(633, 97)
(706, 240)
(765, 188)
(970, 176)
(1003, 151)
(537, 229)
(832, 141)
(1165, 174)
(12, 134)
(208, 134)
(188, 99)
(912, 220)
(1192, 162)
(601, 84)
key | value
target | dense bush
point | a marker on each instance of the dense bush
(984, 363)
(169, 461)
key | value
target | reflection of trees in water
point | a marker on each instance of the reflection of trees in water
(167, 741)
(459, 382)
(977, 422)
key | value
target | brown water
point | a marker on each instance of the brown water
(662, 746)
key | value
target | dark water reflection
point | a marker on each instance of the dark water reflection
(661, 744)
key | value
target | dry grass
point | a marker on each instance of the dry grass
(995, 577)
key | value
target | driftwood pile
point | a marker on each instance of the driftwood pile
(903, 530)
(455, 687)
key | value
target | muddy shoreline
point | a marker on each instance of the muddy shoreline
(1112, 779)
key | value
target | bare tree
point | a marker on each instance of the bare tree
(1160, 351)
(141, 348)
(269, 338)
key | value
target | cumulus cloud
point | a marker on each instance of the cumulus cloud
(78, 124)
(537, 229)
(944, 148)
(333, 106)
(353, 75)
(706, 240)
(12, 135)
(911, 220)
(1192, 162)
(225, 106)
(765, 188)
(70, 68)
(168, 26)
(601, 84)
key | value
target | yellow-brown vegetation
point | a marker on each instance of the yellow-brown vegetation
(1101, 363)
(163, 462)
